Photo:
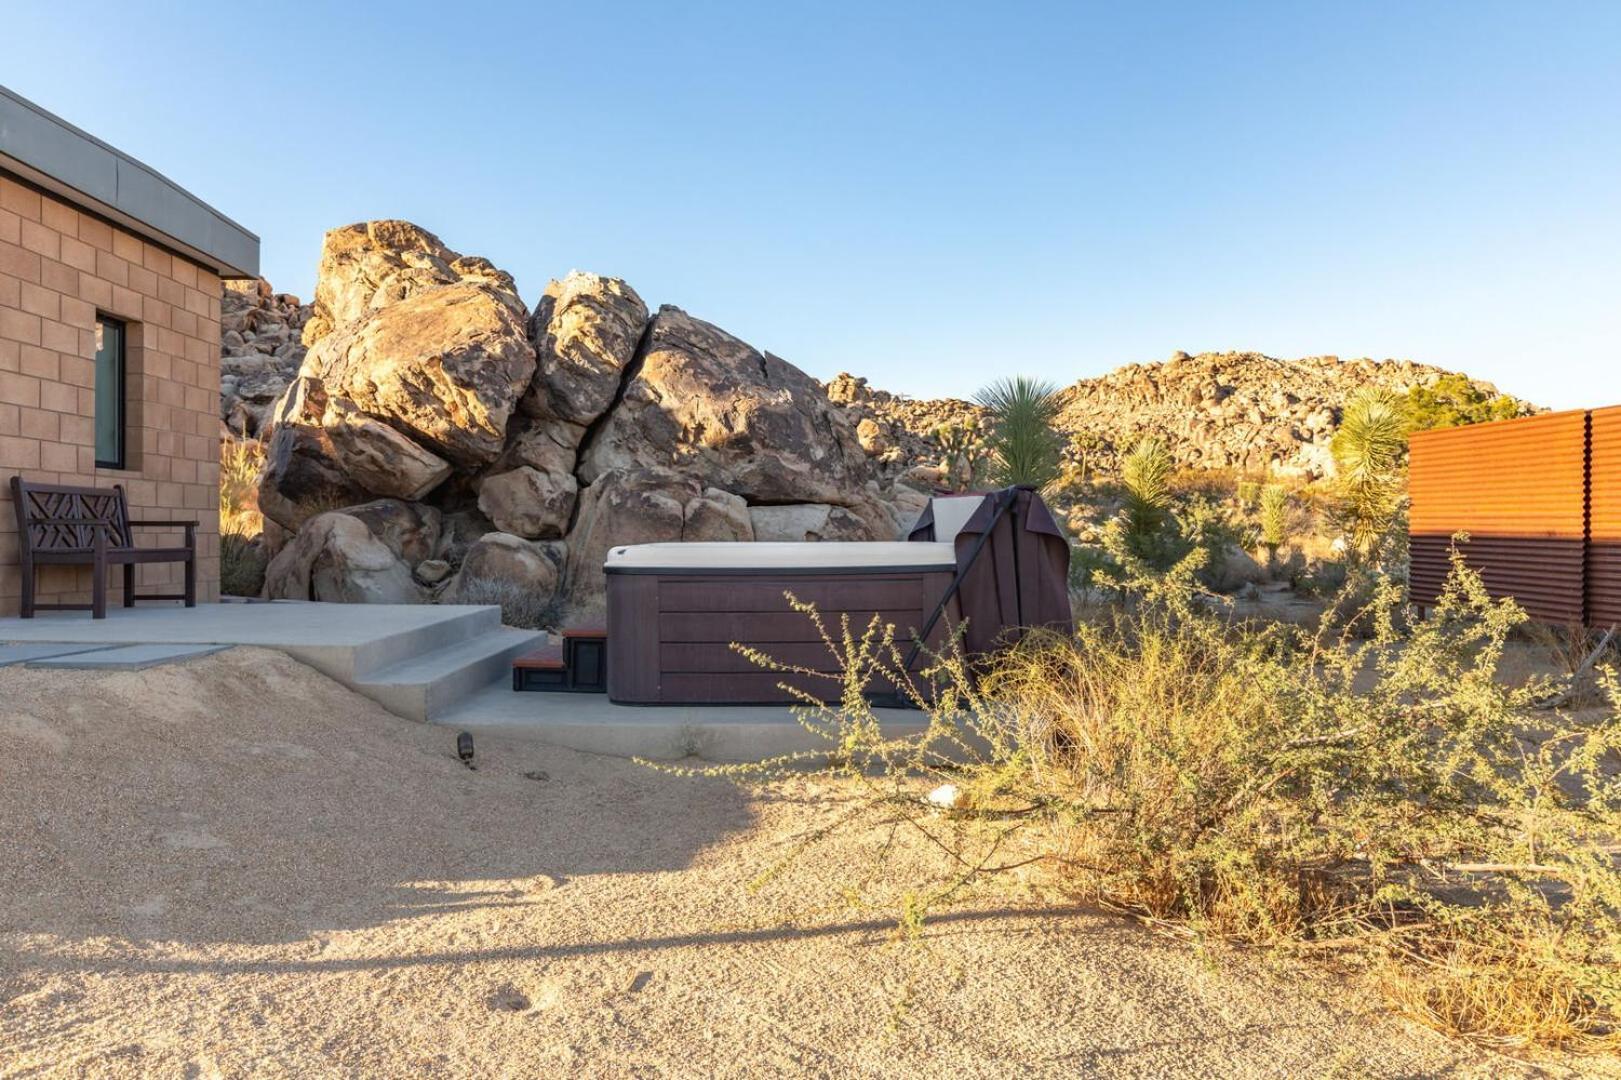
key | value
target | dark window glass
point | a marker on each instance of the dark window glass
(109, 393)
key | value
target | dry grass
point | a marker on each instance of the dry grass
(242, 558)
(1371, 792)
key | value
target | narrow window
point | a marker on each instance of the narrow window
(109, 393)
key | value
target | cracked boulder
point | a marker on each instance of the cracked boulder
(709, 406)
(585, 330)
(445, 366)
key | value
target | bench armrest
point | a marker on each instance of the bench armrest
(164, 524)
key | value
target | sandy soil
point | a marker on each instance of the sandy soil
(236, 867)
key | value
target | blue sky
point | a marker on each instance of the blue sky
(927, 194)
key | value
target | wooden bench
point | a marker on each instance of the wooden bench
(85, 526)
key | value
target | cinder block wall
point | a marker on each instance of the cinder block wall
(59, 268)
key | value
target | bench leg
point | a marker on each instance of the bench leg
(27, 600)
(98, 592)
(129, 584)
(191, 582)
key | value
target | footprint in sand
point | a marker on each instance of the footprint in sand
(508, 998)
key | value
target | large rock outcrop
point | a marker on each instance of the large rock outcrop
(539, 441)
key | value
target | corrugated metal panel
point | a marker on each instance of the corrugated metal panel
(1519, 489)
(1604, 509)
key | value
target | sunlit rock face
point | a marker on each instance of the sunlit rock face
(539, 439)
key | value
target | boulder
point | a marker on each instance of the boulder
(370, 265)
(632, 506)
(709, 406)
(411, 531)
(445, 367)
(301, 474)
(585, 330)
(519, 575)
(716, 515)
(871, 436)
(335, 557)
(378, 459)
(323, 451)
(546, 445)
(533, 504)
(808, 521)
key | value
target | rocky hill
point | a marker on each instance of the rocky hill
(1244, 412)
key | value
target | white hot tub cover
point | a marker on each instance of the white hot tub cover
(745, 556)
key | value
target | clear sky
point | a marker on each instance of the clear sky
(928, 194)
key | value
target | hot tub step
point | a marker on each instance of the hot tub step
(579, 665)
(585, 652)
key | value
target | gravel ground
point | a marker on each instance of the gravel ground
(235, 867)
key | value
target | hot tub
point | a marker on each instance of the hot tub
(987, 565)
(675, 609)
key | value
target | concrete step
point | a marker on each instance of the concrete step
(428, 683)
(378, 655)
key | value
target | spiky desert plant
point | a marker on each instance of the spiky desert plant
(1368, 451)
(1274, 514)
(1023, 443)
(1146, 477)
(962, 452)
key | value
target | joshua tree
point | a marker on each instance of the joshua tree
(962, 450)
(1368, 452)
(1023, 444)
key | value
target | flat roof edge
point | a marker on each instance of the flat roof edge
(53, 154)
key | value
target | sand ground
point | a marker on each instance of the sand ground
(235, 867)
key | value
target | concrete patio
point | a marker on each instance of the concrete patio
(443, 664)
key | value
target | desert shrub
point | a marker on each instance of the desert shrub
(520, 607)
(1382, 800)
(242, 565)
(1454, 400)
(1247, 493)
(1022, 443)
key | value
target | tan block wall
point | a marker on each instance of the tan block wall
(59, 268)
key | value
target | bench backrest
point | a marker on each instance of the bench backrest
(50, 516)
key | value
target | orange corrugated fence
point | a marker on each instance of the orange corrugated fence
(1519, 489)
(1540, 499)
(1604, 524)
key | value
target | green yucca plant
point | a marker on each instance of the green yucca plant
(1274, 507)
(1368, 451)
(1146, 476)
(1023, 442)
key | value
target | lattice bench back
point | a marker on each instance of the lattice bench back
(52, 517)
